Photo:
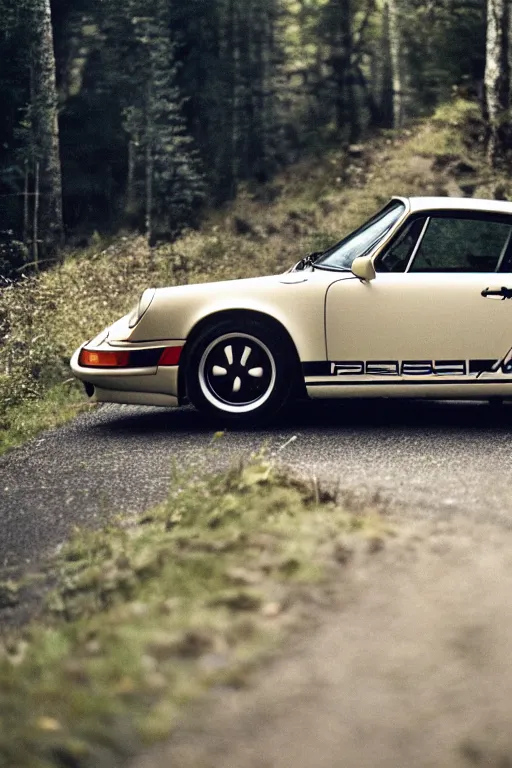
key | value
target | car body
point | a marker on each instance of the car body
(414, 303)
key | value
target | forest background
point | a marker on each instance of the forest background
(140, 114)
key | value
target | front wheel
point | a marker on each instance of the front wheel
(240, 372)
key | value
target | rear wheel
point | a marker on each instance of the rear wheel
(241, 371)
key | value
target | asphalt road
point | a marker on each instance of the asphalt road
(425, 458)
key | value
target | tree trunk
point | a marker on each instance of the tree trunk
(149, 194)
(255, 92)
(395, 44)
(235, 97)
(150, 163)
(269, 68)
(26, 209)
(229, 124)
(385, 72)
(46, 129)
(371, 104)
(341, 59)
(131, 203)
(35, 228)
(497, 77)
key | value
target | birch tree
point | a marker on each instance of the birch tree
(497, 77)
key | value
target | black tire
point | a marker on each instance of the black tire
(241, 371)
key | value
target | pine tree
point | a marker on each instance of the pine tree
(339, 24)
(162, 160)
(177, 184)
(259, 121)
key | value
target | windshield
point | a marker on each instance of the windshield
(363, 240)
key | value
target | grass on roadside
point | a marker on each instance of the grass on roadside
(25, 420)
(143, 616)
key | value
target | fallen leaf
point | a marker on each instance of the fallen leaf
(48, 724)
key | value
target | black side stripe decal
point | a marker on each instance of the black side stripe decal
(436, 369)
(321, 368)
(425, 382)
(481, 366)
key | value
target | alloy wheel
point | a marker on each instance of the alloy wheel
(237, 373)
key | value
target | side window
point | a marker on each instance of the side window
(398, 255)
(462, 245)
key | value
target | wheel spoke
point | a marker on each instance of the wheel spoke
(256, 373)
(245, 356)
(217, 370)
(229, 354)
(237, 384)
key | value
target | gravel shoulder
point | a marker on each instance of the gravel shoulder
(410, 665)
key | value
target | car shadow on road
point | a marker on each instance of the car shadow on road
(326, 415)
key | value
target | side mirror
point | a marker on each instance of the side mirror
(362, 267)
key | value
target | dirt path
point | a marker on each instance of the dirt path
(412, 668)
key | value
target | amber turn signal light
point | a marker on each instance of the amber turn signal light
(93, 359)
(170, 356)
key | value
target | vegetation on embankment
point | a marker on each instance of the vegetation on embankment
(143, 616)
(309, 206)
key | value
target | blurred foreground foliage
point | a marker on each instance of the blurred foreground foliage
(142, 616)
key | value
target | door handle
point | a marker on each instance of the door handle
(501, 293)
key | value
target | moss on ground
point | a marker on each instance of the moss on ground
(144, 615)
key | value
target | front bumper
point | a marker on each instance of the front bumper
(141, 385)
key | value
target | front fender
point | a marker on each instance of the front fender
(297, 305)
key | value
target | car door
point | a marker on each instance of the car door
(442, 311)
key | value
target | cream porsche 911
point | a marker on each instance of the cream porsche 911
(414, 303)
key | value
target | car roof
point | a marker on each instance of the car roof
(457, 204)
